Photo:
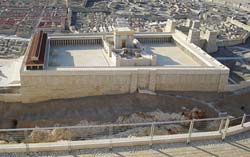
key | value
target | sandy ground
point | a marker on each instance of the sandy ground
(10, 72)
(235, 103)
(100, 109)
(105, 109)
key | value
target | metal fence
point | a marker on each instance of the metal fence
(111, 131)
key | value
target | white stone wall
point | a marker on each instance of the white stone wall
(170, 26)
(79, 82)
(210, 44)
(194, 36)
(142, 61)
(70, 83)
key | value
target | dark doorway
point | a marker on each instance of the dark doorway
(123, 43)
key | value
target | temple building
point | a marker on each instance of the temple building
(68, 66)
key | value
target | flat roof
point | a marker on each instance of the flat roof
(123, 31)
(37, 50)
(170, 54)
(77, 56)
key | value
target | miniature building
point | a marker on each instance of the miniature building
(127, 50)
(170, 26)
(194, 36)
(123, 38)
(211, 44)
(35, 60)
(101, 64)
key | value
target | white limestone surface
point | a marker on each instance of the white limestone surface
(77, 56)
(10, 72)
(170, 54)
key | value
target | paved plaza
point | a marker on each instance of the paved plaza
(77, 56)
(170, 54)
(9, 72)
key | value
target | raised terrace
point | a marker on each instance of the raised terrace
(92, 55)
(106, 63)
(100, 51)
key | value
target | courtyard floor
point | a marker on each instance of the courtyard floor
(170, 54)
(77, 56)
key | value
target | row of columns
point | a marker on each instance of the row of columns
(154, 40)
(75, 42)
(34, 67)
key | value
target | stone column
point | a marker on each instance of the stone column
(153, 60)
(130, 41)
(117, 41)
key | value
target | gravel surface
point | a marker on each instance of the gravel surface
(239, 142)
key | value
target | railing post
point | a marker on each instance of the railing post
(243, 120)
(190, 131)
(110, 136)
(25, 134)
(225, 129)
(221, 125)
(152, 134)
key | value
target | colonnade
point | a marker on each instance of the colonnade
(154, 40)
(61, 42)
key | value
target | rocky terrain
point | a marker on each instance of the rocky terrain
(118, 109)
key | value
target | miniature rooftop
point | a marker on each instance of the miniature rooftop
(124, 50)
(123, 30)
(92, 56)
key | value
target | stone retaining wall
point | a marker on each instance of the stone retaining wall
(69, 83)
(10, 97)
